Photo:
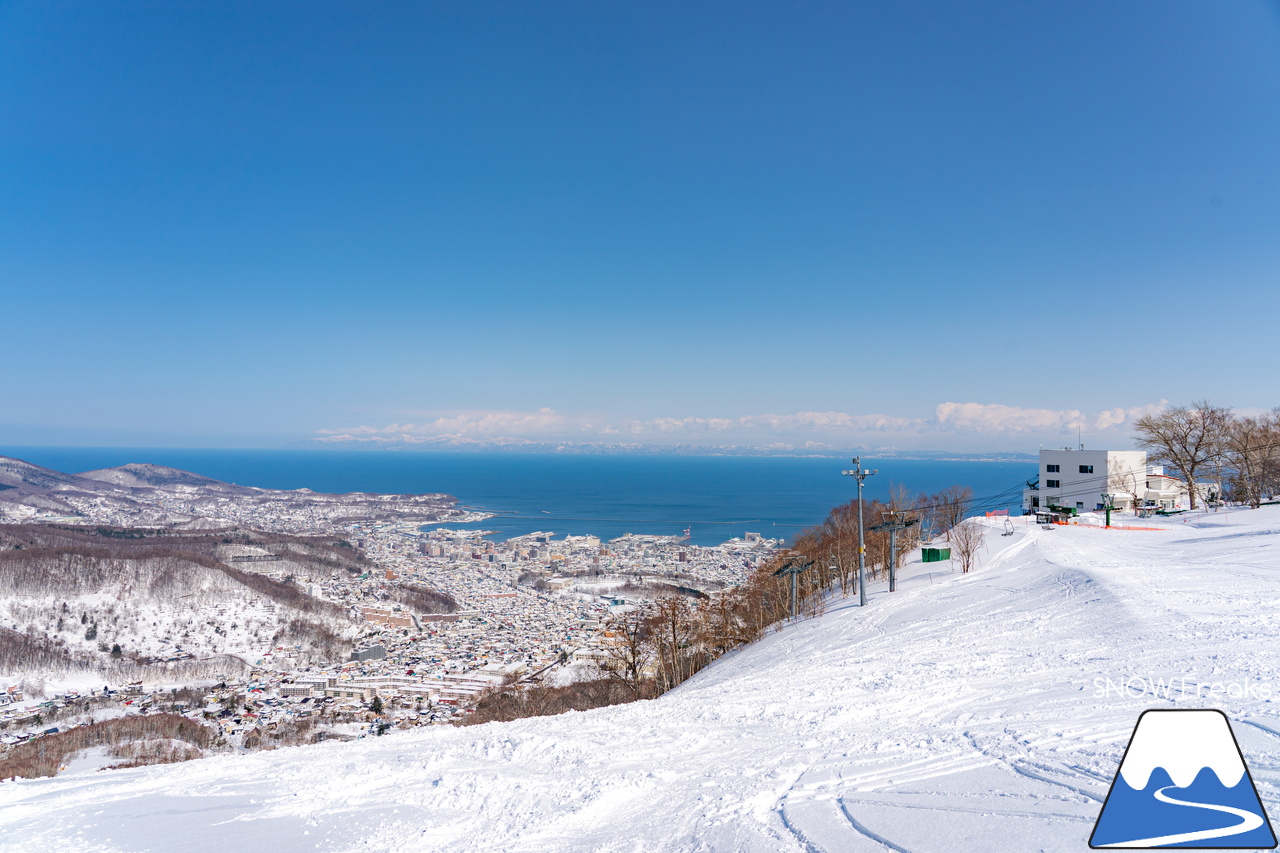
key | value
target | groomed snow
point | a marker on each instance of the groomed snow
(982, 712)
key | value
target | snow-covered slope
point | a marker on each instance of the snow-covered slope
(69, 596)
(961, 713)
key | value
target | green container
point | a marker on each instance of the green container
(935, 555)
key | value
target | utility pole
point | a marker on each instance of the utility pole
(861, 474)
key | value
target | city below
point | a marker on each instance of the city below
(429, 618)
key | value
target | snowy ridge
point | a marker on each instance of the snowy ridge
(1183, 743)
(965, 712)
(143, 475)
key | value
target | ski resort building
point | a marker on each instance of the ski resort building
(1078, 479)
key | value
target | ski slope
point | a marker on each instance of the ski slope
(964, 712)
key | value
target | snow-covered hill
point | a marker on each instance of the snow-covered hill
(79, 604)
(139, 475)
(979, 712)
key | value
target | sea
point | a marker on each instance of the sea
(714, 498)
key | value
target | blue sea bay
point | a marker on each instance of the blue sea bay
(715, 497)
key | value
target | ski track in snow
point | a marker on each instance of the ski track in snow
(960, 713)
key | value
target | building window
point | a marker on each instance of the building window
(1086, 469)
(1079, 504)
(1052, 484)
(1051, 469)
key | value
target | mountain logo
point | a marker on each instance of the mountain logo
(1183, 783)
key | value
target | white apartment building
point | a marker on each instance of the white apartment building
(1078, 479)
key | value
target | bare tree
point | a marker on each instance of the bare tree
(1185, 438)
(673, 631)
(843, 545)
(903, 507)
(966, 540)
(951, 505)
(1251, 448)
(628, 652)
(1131, 482)
(1271, 468)
(834, 545)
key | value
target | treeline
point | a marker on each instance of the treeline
(661, 589)
(285, 733)
(38, 558)
(647, 653)
(1203, 440)
(158, 573)
(832, 546)
(422, 599)
(51, 657)
(541, 701)
(137, 741)
(21, 652)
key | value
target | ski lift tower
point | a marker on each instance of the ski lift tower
(893, 521)
(793, 567)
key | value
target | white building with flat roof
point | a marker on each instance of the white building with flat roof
(1078, 479)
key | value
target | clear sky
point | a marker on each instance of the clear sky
(933, 225)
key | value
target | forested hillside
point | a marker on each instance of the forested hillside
(106, 598)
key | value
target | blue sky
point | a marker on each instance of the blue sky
(932, 225)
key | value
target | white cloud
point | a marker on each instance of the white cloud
(819, 421)
(472, 423)
(1109, 418)
(683, 425)
(972, 420)
(995, 418)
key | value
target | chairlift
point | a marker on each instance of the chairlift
(1008, 527)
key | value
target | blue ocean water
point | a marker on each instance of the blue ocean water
(716, 497)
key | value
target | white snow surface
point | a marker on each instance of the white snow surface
(963, 712)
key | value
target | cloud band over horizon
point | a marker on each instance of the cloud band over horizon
(964, 423)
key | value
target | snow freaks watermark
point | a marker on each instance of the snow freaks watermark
(1180, 687)
(1183, 782)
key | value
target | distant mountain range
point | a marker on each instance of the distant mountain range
(406, 442)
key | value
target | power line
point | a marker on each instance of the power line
(977, 503)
